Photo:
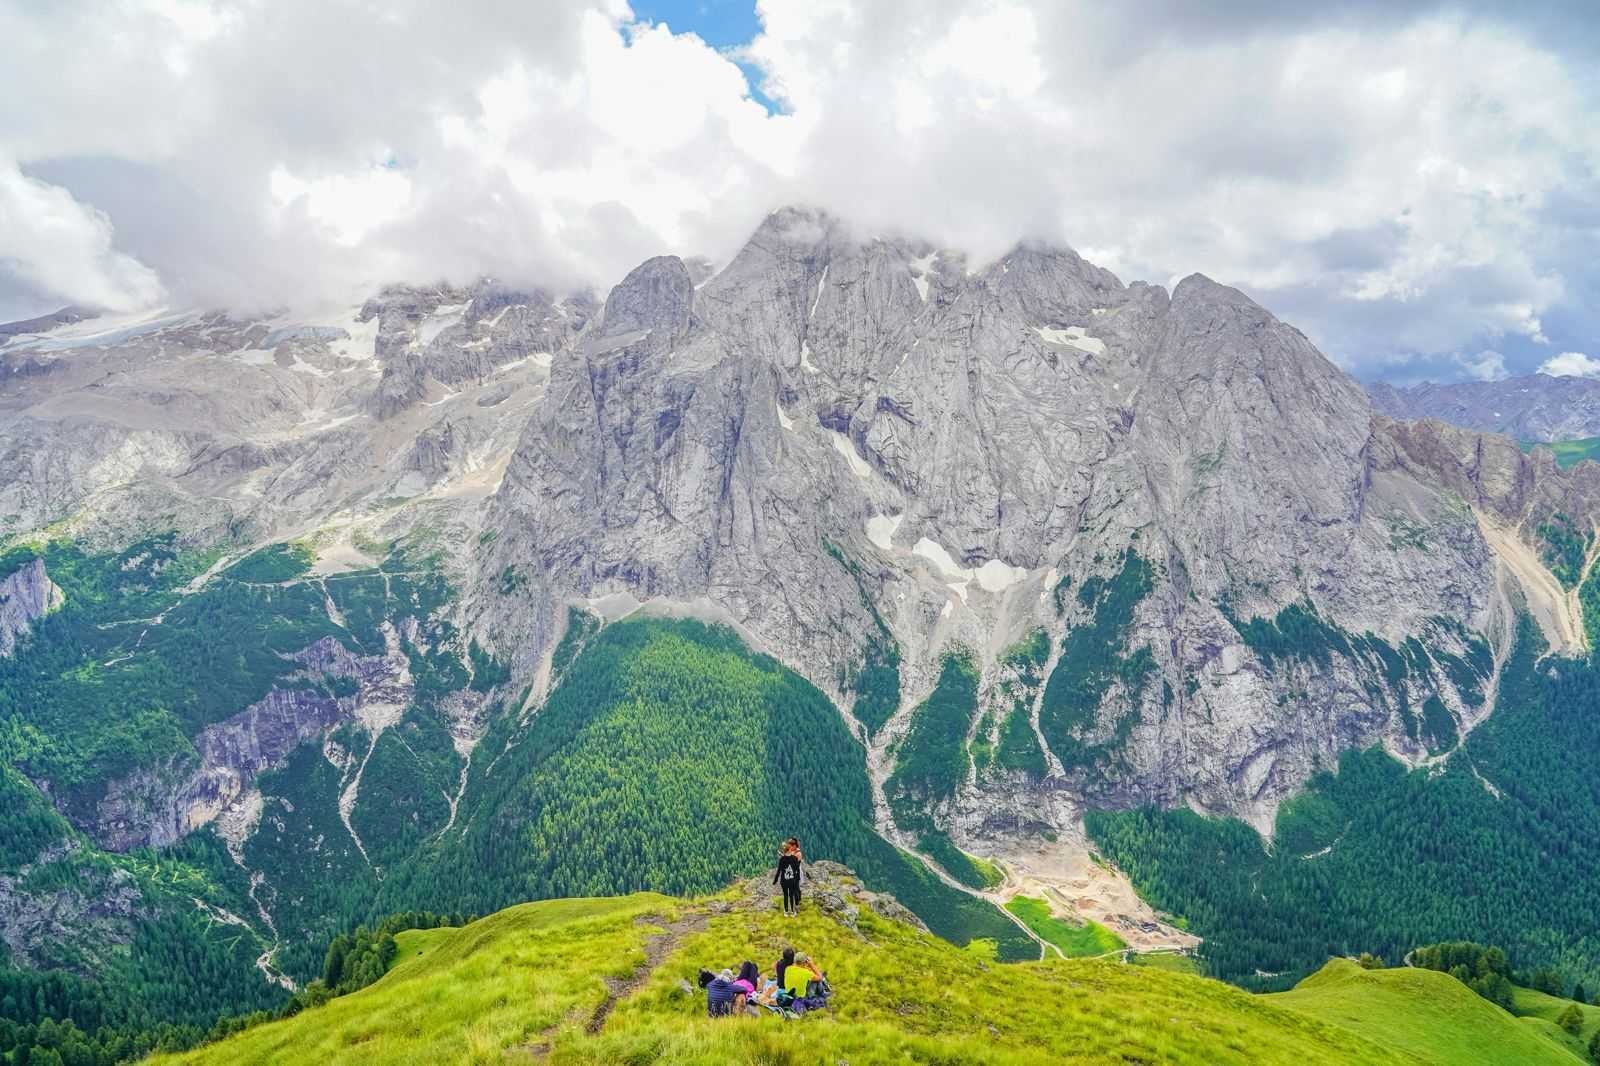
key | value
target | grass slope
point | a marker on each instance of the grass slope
(1428, 1015)
(1539, 1007)
(1075, 941)
(531, 982)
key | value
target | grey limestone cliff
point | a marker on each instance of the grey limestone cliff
(26, 594)
(861, 451)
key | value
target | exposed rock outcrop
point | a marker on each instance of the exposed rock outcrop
(835, 890)
(78, 925)
(831, 433)
(26, 594)
(156, 806)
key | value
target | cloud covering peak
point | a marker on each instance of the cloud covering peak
(1405, 181)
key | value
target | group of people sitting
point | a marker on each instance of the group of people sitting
(797, 985)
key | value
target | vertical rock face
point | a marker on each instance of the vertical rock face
(445, 337)
(866, 453)
(830, 432)
(26, 594)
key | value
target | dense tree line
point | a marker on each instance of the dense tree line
(101, 688)
(1093, 658)
(358, 958)
(170, 990)
(51, 1016)
(1485, 970)
(931, 762)
(1017, 746)
(1563, 546)
(274, 563)
(1498, 844)
(668, 757)
(671, 758)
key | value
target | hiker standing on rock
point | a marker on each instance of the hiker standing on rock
(788, 876)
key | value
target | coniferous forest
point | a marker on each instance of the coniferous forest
(1498, 845)
(668, 756)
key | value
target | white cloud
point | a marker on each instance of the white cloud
(1485, 366)
(52, 243)
(1571, 364)
(349, 205)
(1393, 179)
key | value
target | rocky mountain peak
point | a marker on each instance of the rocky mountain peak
(656, 295)
(847, 444)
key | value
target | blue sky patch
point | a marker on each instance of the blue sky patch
(723, 24)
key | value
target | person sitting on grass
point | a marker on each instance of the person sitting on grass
(783, 964)
(768, 996)
(721, 994)
(746, 983)
(799, 975)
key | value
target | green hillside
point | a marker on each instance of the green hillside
(1074, 941)
(597, 981)
(1567, 452)
(666, 757)
(671, 758)
(1534, 1006)
(1422, 1013)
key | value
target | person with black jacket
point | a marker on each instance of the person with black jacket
(787, 876)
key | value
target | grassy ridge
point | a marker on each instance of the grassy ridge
(1421, 1013)
(1535, 1006)
(527, 983)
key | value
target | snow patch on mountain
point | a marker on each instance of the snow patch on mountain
(843, 445)
(1072, 337)
(881, 529)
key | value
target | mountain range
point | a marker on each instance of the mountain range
(1532, 407)
(1016, 574)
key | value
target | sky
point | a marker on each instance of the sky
(1416, 185)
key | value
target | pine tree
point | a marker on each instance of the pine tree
(1571, 1019)
(1548, 980)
